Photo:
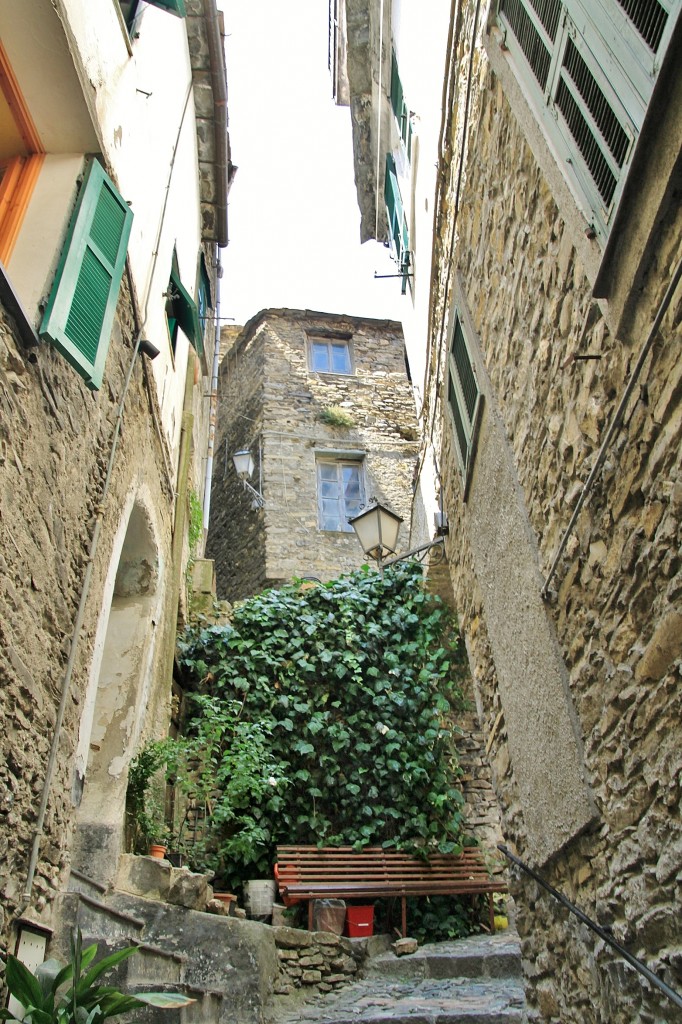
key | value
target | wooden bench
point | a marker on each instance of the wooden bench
(307, 873)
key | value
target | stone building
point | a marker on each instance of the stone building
(114, 176)
(323, 403)
(555, 393)
(552, 401)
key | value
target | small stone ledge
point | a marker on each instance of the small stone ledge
(320, 960)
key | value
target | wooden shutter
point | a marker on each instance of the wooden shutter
(394, 207)
(172, 6)
(464, 399)
(81, 307)
(186, 313)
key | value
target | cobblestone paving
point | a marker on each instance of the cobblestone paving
(473, 981)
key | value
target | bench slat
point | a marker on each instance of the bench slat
(309, 872)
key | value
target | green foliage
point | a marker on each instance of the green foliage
(440, 918)
(67, 994)
(224, 769)
(335, 416)
(352, 686)
(196, 523)
(145, 796)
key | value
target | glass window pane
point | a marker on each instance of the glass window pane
(320, 356)
(340, 358)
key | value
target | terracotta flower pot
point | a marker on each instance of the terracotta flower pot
(157, 850)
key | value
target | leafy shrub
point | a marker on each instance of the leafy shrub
(352, 685)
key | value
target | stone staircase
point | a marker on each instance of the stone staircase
(472, 981)
(228, 966)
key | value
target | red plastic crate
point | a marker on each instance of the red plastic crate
(359, 922)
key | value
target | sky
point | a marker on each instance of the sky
(293, 219)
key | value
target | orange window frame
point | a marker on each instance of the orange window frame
(20, 172)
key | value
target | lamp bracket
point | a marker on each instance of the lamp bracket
(258, 499)
(420, 553)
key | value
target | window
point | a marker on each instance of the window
(591, 70)
(131, 8)
(397, 223)
(330, 356)
(400, 109)
(341, 493)
(182, 312)
(465, 400)
(81, 306)
(204, 297)
(21, 157)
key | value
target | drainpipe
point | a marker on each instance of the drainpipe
(213, 411)
(180, 518)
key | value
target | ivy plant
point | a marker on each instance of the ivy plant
(353, 686)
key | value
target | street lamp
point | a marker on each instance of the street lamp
(244, 467)
(377, 527)
(377, 530)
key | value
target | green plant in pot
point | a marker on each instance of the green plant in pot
(145, 804)
(70, 993)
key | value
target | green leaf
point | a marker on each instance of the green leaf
(166, 1000)
(22, 984)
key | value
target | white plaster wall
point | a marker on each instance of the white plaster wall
(143, 109)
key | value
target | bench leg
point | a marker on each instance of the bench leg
(310, 915)
(403, 900)
(491, 913)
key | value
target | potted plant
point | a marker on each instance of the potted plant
(145, 799)
(69, 994)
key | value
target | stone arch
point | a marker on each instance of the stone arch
(116, 695)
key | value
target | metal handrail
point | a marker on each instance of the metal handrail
(632, 960)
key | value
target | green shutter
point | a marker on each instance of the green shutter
(81, 307)
(464, 399)
(185, 309)
(172, 6)
(396, 89)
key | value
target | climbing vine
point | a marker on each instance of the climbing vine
(352, 685)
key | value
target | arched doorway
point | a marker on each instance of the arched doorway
(112, 715)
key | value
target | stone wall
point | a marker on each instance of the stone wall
(319, 960)
(55, 438)
(269, 398)
(614, 619)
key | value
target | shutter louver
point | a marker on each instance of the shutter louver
(81, 307)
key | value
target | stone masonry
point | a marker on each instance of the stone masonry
(55, 437)
(289, 417)
(524, 273)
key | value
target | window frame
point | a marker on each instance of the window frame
(466, 410)
(65, 324)
(330, 342)
(340, 462)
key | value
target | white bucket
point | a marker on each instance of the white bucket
(260, 896)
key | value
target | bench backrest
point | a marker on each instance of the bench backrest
(308, 864)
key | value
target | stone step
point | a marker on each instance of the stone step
(446, 1001)
(477, 956)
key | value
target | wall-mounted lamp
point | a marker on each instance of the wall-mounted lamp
(244, 466)
(377, 530)
(147, 349)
